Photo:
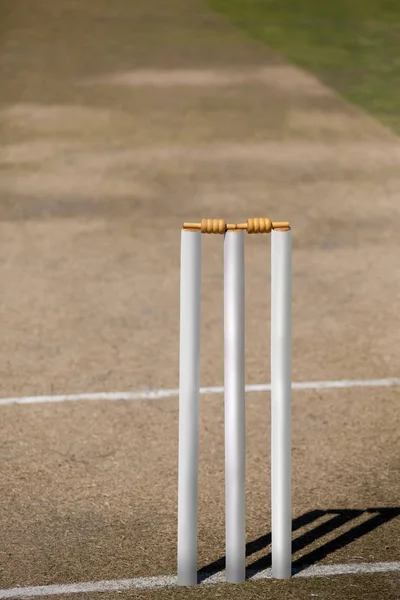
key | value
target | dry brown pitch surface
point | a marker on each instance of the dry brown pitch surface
(119, 121)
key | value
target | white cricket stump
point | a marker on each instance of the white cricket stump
(234, 381)
(281, 351)
(189, 394)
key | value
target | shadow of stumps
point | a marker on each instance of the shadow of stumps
(380, 516)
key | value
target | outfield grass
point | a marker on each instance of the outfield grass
(351, 45)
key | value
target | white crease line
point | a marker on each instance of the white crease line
(163, 581)
(158, 394)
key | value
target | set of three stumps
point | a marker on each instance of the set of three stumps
(234, 391)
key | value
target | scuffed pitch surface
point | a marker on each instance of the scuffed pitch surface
(93, 496)
(118, 122)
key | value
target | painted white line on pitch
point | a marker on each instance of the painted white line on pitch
(159, 394)
(163, 581)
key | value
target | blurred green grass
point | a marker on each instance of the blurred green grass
(351, 45)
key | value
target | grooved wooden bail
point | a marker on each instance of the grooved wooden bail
(261, 225)
(257, 225)
(210, 226)
(213, 226)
